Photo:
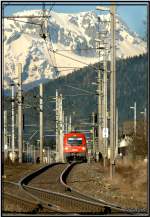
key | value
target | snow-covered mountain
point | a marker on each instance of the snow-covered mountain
(68, 35)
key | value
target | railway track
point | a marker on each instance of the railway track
(13, 195)
(53, 195)
(70, 194)
(63, 202)
(112, 208)
(76, 193)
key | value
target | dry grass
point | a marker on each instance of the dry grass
(131, 182)
(135, 173)
(15, 171)
(128, 187)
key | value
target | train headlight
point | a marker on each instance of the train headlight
(83, 148)
(66, 148)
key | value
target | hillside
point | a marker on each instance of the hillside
(70, 44)
(132, 85)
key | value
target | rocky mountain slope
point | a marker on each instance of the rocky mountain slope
(68, 35)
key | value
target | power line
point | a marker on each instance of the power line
(68, 70)
(24, 21)
(49, 53)
(48, 49)
(78, 89)
(73, 59)
(53, 4)
(68, 67)
(70, 95)
(44, 37)
(79, 49)
(55, 66)
(78, 95)
(7, 17)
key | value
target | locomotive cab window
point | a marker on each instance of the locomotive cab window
(75, 141)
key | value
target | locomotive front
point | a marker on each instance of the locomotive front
(75, 147)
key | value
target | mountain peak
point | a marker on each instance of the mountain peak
(70, 42)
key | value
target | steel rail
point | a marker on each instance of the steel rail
(32, 175)
(10, 182)
(25, 180)
(14, 189)
(110, 206)
(29, 205)
(71, 203)
(28, 200)
(63, 203)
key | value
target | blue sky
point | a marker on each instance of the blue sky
(133, 15)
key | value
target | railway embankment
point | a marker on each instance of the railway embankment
(127, 189)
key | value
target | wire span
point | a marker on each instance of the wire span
(73, 59)
(37, 24)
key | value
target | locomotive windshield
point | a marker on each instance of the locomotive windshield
(75, 141)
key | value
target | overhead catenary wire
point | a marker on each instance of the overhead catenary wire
(78, 95)
(26, 94)
(23, 17)
(54, 64)
(44, 34)
(69, 95)
(51, 7)
(49, 54)
(53, 4)
(44, 37)
(68, 70)
(68, 67)
(54, 53)
(78, 89)
(73, 59)
(79, 49)
(38, 24)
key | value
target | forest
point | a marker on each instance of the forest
(132, 86)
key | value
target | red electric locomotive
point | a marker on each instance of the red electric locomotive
(75, 147)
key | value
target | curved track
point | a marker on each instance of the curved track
(38, 193)
(58, 200)
(112, 208)
(15, 197)
(46, 188)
